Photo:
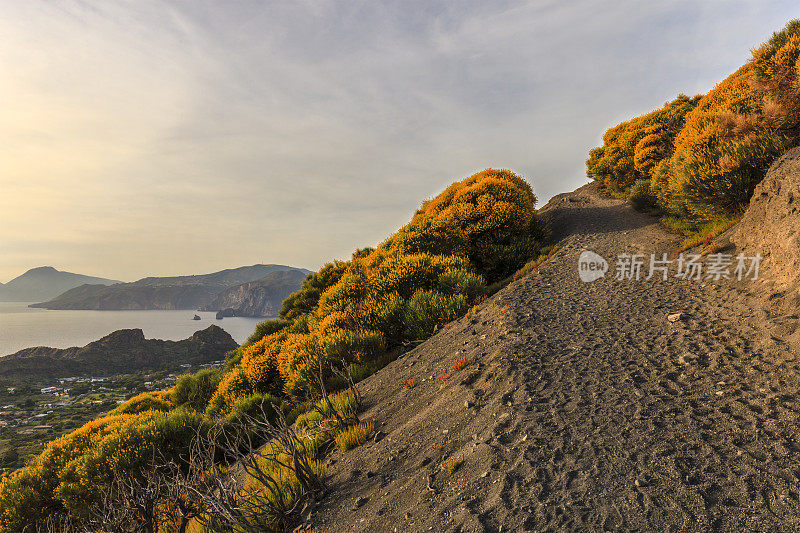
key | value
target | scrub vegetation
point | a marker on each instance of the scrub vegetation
(347, 320)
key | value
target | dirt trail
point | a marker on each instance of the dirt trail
(583, 407)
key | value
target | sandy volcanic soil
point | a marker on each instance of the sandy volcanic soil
(583, 407)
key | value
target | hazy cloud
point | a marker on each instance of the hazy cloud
(145, 138)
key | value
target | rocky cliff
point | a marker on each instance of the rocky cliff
(259, 298)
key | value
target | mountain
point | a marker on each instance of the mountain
(120, 352)
(43, 283)
(262, 297)
(176, 292)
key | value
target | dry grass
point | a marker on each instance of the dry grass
(533, 264)
(355, 435)
(708, 233)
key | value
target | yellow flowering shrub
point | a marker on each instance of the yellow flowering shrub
(260, 363)
(298, 362)
(631, 149)
(489, 218)
(74, 471)
(232, 387)
(195, 390)
(146, 401)
(705, 156)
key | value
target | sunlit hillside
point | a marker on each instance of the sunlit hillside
(355, 314)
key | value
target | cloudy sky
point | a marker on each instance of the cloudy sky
(157, 138)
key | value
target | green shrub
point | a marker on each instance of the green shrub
(254, 406)
(457, 281)
(232, 358)
(428, 309)
(353, 345)
(642, 196)
(267, 327)
(195, 390)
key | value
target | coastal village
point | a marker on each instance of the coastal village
(33, 413)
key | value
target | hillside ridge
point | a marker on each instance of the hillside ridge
(583, 406)
(173, 292)
(43, 283)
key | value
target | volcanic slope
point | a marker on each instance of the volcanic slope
(583, 407)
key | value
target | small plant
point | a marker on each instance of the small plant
(453, 464)
(460, 364)
(438, 446)
(444, 377)
(533, 264)
(355, 435)
(409, 383)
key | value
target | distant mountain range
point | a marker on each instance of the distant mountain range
(189, 292)
(120, 352)
(43, 283)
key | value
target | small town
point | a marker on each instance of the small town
(34, 413)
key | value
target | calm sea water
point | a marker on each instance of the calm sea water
(23, 327)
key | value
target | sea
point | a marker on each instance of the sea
(25, 327)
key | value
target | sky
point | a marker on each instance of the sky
(147, 137)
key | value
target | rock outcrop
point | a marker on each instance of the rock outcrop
(120, 352)
(771, 224)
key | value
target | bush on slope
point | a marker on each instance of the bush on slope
(725, 143)
(425, 275)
